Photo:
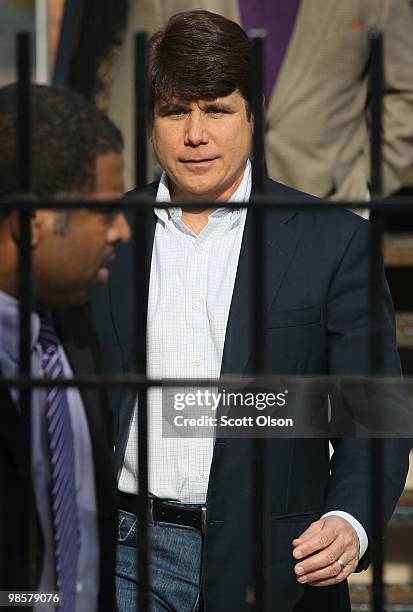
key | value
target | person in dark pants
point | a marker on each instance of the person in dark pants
(77, 152)
(200, 318)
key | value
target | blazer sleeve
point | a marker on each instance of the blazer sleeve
(397, 145)
(348, 349)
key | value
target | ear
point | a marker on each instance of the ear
(264, 110)
(39, 221)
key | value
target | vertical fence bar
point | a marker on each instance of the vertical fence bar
(141, 93)
(258, 88)
(260, 507)
(376, 91)
(376, 313)
(141, 301)
(24, 146)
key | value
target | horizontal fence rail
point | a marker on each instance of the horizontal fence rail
(140, 204)
(105, 381)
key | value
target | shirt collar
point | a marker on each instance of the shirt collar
(242, 194)
(9, 326)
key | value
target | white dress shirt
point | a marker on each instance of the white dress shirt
(190, 294)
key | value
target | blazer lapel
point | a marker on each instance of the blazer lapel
(74, 332)
(279, 245)
(131, 257)
(312, 23)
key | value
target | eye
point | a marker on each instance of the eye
(107, 215)
(176, 112)
(215, 111)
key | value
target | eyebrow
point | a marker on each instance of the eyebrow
(164, 109)
(219, 105)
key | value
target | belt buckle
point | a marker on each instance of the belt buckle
(203, 519)
(150, 512)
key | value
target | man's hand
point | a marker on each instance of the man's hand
(321, 546)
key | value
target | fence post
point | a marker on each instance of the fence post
(24, 140)
(376, 314)
(141, 255)
(260, 514)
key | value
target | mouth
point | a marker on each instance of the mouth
(108, 259)
(199, 164)
(103, 272)
(199, 160)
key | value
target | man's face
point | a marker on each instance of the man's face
(74, 248)
(203, 146)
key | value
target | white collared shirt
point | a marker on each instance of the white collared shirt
(191, 284)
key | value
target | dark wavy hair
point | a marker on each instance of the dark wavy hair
(199, 55)
(67, 136)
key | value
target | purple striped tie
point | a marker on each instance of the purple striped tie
(62, 468)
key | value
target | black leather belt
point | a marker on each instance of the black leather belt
(159, 510)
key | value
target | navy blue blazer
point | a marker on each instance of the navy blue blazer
(316, 323)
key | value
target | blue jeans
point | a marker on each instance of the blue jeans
(175, 566)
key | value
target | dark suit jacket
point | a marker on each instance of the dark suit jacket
(80, 344)
(316, 323)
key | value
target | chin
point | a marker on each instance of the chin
(59, 301)
(200, 190)
(61, 297)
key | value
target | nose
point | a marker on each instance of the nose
(120, 230)
(195, 129)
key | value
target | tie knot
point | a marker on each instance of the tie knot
(47, 335)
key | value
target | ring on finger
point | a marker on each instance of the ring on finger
(341, 564)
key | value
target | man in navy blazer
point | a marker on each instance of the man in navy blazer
(200, 317)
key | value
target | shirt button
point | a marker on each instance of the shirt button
(197, 361)
(79, 587)
(199, 249)
(200, 477)
(195, 306)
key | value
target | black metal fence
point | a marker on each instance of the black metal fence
(139, 381)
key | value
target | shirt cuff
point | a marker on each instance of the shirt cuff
(358, 527)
